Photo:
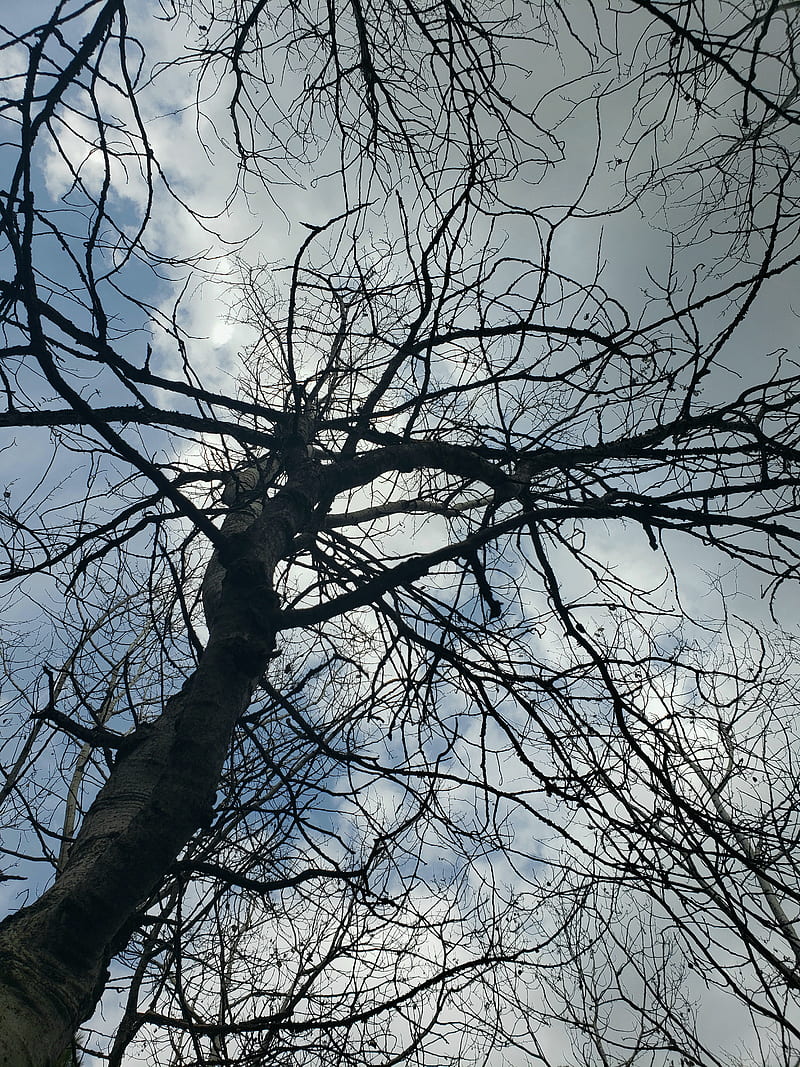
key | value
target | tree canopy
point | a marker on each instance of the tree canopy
(400, 533)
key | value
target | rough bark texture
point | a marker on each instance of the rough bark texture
(54, 954)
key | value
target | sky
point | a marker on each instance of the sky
(267, 226)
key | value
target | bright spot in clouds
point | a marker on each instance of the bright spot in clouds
(221, 332)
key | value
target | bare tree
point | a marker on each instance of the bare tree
(360, 703)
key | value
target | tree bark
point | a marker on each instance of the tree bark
(54, 954)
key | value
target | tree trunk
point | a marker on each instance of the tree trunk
(54, 954)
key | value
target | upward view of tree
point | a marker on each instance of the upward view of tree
(401, 409)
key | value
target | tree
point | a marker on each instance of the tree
(361, 703)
